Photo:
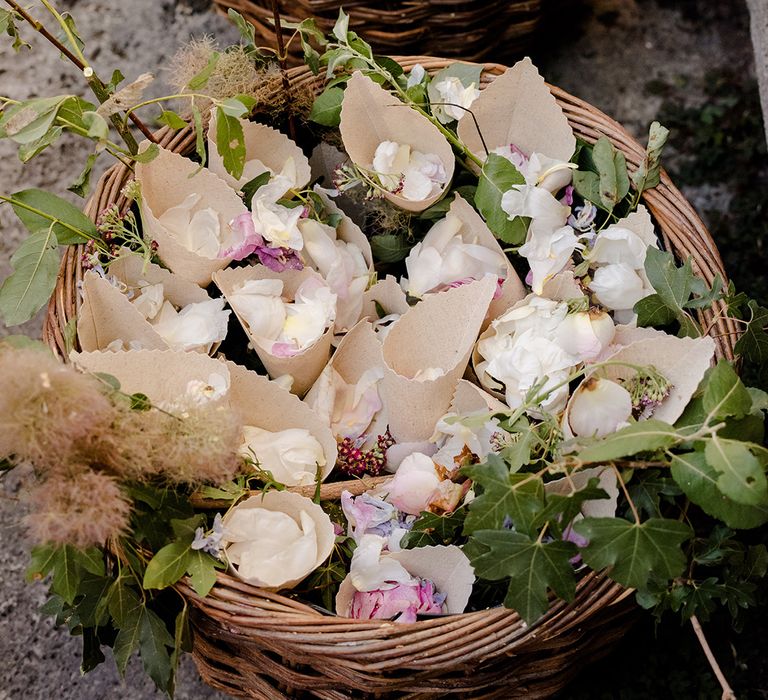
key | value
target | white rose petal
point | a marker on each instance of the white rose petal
(618, 245)
(278, 224)
(369, 571)
(309, 316)
(195, 326)
(548, 253)
(198, 231)
(413, 484)
(149, 300)
(586, 334)
(259, 304)
(599, 407)
(617, 286)
(451, 90)
(292, 455)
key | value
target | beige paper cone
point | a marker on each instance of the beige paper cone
(475, 229)
(165, 182)
(263, 404)
(439, 332)
(682, 361)
(162, 375)
(389, 295)
(470, 398)
(518, 108)
(306, 366)
(291, 504)
(562, 286)
(599, 508)
(370, 115)
(263, 143)
(447, 567)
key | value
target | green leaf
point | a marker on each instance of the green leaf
(622, 176)
(197, 118)
(587, 185)
(238, 107)
(28, 151)
(341, 27)
(92, 600)
(92, 654)
(497, 177)
(699, 482)
(148, 154)
(390, 247)
(127, 639)
(602, 155)
(635, 551)
(82, 185)
(433, 529)
(246, 29)
(753, 344)
(171, 119)
(43, 558)
(168, 565)
(644, 436)
(647, 176)
(326, 109)
(200, 80)
(154, 640)
(28, 288)
(201, 568)
(122, 599)
(652, 312)
(230, 142)
(533, 568)
(741, 475)
(725, 394)
(38, 209)
(67, 573)
(251, 187)
(30, 120)
(560, 509)
(505, 494)
(91, 560)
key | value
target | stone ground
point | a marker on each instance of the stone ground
(608, 52)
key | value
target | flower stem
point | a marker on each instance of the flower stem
(728, 693)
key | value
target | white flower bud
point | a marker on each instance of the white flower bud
(598, 407)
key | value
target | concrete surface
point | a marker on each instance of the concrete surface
(758, 11)
(605, 51)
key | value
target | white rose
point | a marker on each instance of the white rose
(618, 245)
(617, 286)
(278, 224)
(198, 232)
(413, 485)
(586, 334)
(292, 455)
(548, 253)
(599, 407)
(195, 327)
(451, 90)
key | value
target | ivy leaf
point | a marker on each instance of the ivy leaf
(201, 568)
(390, 247)
(561, 509)
(43, 558)
(533, 568)
(433, 529)
(644, 436)
(505, 494)
(154, 640)
(741, 475)
(753, 344)
(230, 142)
(251, 187)
(725, 394)
(27, 289)
(699, 482)
(326, 109)
(647, 176)
(168, 565)
(635, 551)
(92, 603)
(92, 654)
(498, 176)
(38, 209)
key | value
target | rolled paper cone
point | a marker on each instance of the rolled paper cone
(262, 403)
(165, 182)
(518, 108)
(263, 143)
(475, 229)
(439, 334)
(371, 115)
(388, 294)
(161, 375)
(107, 314)
(562, 286)
(306, 366)
(292, 504)
(446, 566)
(470, 398)
(682, 361)
(578, 480)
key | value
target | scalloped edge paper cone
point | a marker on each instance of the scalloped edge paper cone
(439, 332)
(446, 566)
(107, 314)
(389, 294)
(291, 504)
(683, 361)
(518, 108)
(473, 226)
(597, 508)
(165, 182)
(306, 366)
(162, 375)
(370, 115)
(262, 403)
(470, 398)
(262, 142)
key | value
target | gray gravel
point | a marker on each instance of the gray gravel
(612, 49)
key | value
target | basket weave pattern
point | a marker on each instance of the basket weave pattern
(468, 29)
(258, 644)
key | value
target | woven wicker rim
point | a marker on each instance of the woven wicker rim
(364, 654)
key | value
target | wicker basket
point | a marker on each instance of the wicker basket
(468, 29)
(256, 644)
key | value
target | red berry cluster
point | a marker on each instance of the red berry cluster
(352, 460)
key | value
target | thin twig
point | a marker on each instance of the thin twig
(728, 693)
(281, 56)
(626, 494)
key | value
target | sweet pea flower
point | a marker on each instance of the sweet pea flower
(538, 170)
(547, 214)
(413, 485)
(416, 76)
(311, 313)
(198, 230)
(293, 455)
(401, 603)
(444, 259)
(200, 392)
(355, 405)
(548, 253)
(586, 334)
(453, 92)
(454, 435)
(618, 286)
(599, 407)
(370, 515)
(196, 326)
(413, 174)
(536, 313)
(250, 242)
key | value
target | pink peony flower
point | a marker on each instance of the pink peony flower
(402, 603)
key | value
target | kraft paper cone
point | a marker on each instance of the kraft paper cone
(107, 314)
(446, 566)
(262, 143)
(470, 398)
(306, 366)
(264, 404)
(474, 229)
(388, 294)
(562, 286)
(438, 333)
(598, 508)
(682, 361)
(162, 375)
(165, 182)
(518, 108)
(292, 504)
(370, 115)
